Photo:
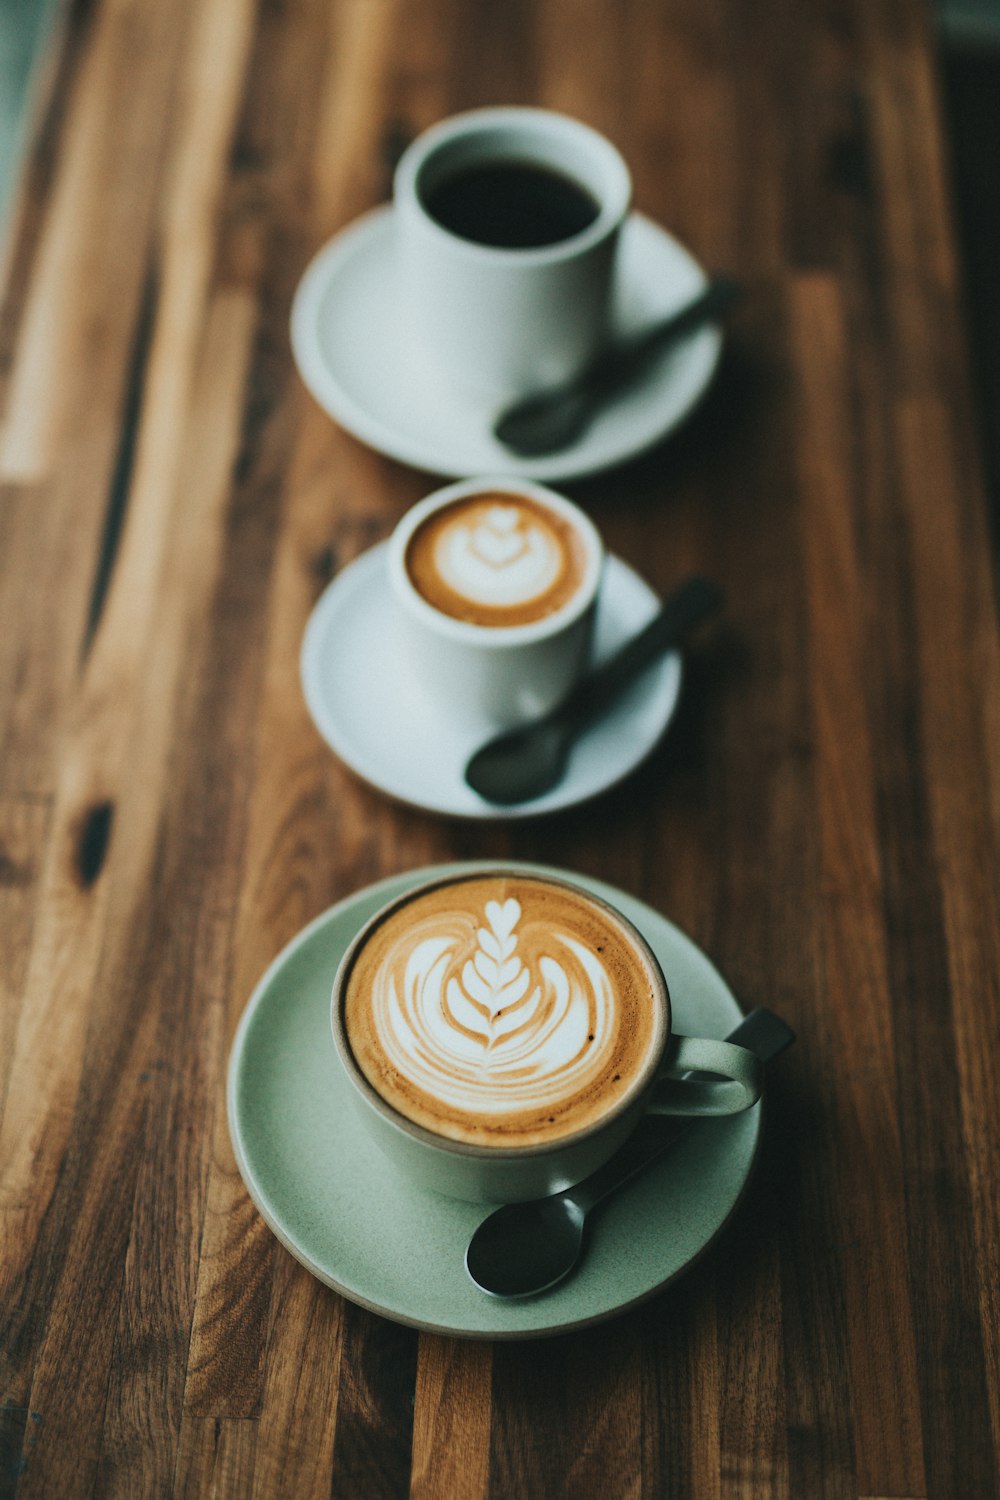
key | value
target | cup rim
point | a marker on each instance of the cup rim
(614, 200)
(467, 1150)
(495, 637)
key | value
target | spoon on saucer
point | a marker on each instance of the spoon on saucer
(552, 419)
(524, 762)
(525, 1248)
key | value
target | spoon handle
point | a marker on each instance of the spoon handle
(717, 297)
(761, 1032)
(696, 598)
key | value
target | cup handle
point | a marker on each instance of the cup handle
(676, 1094)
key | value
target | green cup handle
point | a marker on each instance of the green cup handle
(737, 1089)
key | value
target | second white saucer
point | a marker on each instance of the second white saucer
(376, 719)
(346, 342)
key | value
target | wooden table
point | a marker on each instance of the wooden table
(823, 819)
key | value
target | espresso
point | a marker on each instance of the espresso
(503, 1009)
(497, 559)
(511, 204)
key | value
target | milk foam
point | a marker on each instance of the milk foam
(489, 1017)
(498, 559)
(496, 1033)
(506, 558)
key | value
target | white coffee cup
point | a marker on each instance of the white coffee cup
(504, 672)
(494, 319)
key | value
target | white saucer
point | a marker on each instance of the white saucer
(345, 337)
(359, 1225)
(377, 720)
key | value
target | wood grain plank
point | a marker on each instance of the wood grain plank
(24, 829)
(916, 237)
(225, 1361)
(580, 69)
(299, 1410)
(781, 1390)
(37, 664)
(126, 1081)
(92, 767)
(451, 1418)
(126, 688)
(295, 820)
(888, 1449)
(94, 203)
(215, 1457)
(761, 1428)
(928, 1104)
(350, 168)
(62, 1302)
(72, 358)
(681, 1391)
(961, 755)
(567, 1416)
(675, 144)
(768, 43)
(197, 879)
(374, 1437)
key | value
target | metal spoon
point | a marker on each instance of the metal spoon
(524, 762)
(552, 419)
(525, 1248)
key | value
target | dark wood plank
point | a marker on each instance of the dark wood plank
(451, 1418)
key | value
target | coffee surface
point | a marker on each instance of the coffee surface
(511, 204)
(502, 1010)
(496, 559)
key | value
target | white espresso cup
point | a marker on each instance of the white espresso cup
(507, 226)
(494, 583)
(504, 1031)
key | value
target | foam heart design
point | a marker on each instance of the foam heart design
(497, 547)
(503, 919)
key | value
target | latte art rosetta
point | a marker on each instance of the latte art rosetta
(487, 1018)
(489, 1032)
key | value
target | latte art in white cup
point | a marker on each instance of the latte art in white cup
(499, 559)
(497, 584)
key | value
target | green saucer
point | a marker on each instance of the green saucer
(354, 1220)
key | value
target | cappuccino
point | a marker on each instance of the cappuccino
(503, 1009)
(497, 559)
(495, 584)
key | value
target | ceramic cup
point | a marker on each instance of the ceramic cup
(474, 638)
(504, 1031)
(486, 305)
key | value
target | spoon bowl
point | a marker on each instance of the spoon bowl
(521, 764)
(524, 1249)
(495, 1260)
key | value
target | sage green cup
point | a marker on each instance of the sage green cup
(409, 995)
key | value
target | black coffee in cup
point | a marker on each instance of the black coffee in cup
(511, 204)
(508, 225)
